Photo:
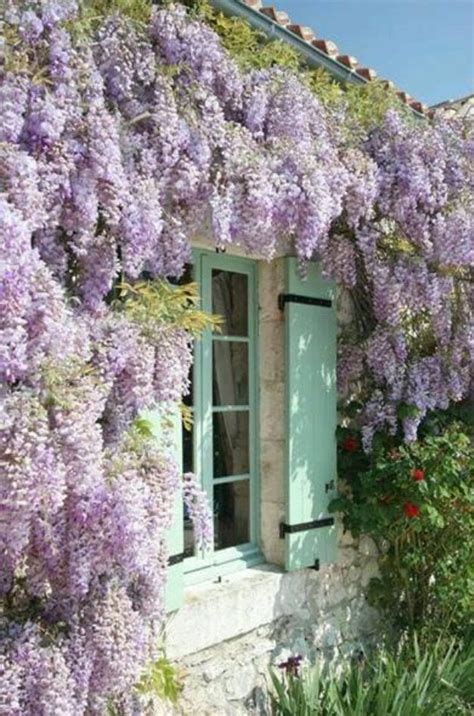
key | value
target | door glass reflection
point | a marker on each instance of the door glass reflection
(230, 382)
(231, 443)
(230, 300)
(231, 514)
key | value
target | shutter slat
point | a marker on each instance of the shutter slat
(310, 357)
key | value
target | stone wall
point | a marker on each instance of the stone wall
(273, 615)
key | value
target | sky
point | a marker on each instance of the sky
(426, 47)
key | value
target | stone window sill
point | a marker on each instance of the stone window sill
(217, 611)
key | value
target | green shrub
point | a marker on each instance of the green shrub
(417, 502)
(438, 681)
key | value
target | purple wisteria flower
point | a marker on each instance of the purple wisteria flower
(115, 149)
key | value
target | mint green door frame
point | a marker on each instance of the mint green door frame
(213, 564)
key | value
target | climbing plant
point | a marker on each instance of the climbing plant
(125, 130)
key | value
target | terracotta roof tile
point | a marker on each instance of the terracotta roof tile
(330, 49)
(406, 99)
(418, 106)
(278, 16)
(348, 61)
(302, 31)
(366, 72)
(327, 46)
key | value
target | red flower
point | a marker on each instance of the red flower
(411, 510)
(417, 474)
(350, 444)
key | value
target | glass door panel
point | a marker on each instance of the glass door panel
(230, 300)
(231, 443)
(230, 375)
(231, 514)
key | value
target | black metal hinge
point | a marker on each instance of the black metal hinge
(175, 558)
(303, 526)
(297, 298)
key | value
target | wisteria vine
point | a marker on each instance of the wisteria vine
(117, 146)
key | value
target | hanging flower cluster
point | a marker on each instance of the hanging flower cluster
(116, 147)
(410, 274)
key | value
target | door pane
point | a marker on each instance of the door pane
(189, 544)
(231, 514)
(230, 300)
(188, 466)
(230, 373)
(231, 443)
(188, 399)
(188, 450)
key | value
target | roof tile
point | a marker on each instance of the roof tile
(348, 61)
(302, 31)
(327, 46)
(418, 106)
(406, 99)
(367, 73)
(278, 16)
(255, 4)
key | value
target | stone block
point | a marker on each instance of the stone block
(214, 669)
(346, 557)
(367, 547)
(262, 647)
(272, 546)
(271, 341)
(271, 471)
(239, 684)
(370, 570)
(354, 574)
(346, 539)
(270, 284)
(272, 423)
(352, 590)
(327, 635)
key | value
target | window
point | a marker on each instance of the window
(222, 448)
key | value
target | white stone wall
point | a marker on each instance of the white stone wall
(228, 632)
(271, 399)
(226, 636)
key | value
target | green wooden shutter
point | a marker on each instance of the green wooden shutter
(166, 425)
(310, 357)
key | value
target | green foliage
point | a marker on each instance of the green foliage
(160, 683)
(435, 681)
(161, 680)
(417, 502)
(367, 104)
(92, 13)
(250, 48)
(153, 304)
(64, 382)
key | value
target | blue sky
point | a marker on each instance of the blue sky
(425, 46)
